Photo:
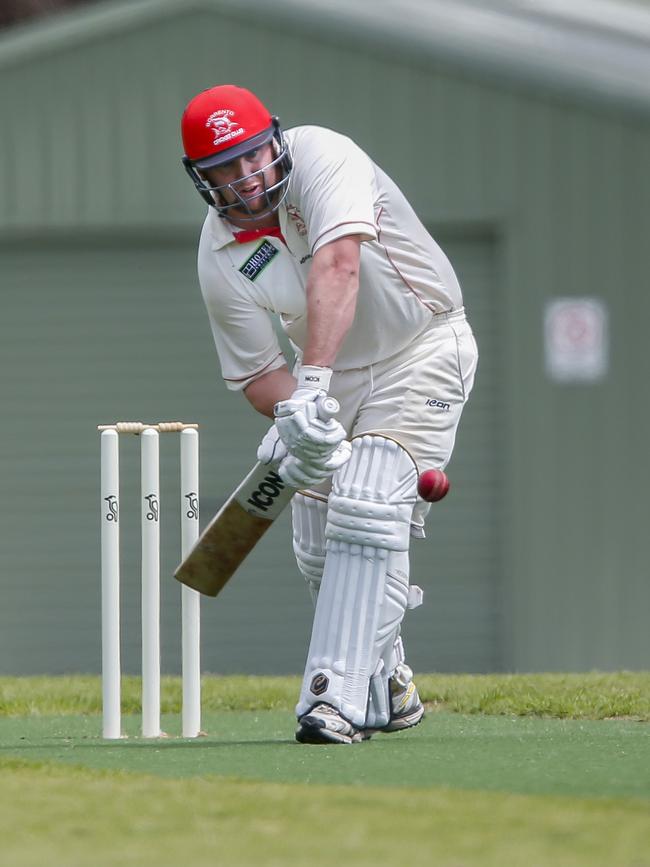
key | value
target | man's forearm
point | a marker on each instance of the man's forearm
(332, 289)
(266, 391)
(330, 314)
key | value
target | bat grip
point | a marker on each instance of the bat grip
(327, 407)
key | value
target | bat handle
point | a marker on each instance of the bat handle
(327, 407)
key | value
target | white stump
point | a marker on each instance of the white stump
(190, 599)
(110, 542)
(150, 584)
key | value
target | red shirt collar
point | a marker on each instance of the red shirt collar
(243, 236)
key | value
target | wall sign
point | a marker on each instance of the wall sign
(576, 339)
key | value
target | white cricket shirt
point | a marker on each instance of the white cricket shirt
(335, 190)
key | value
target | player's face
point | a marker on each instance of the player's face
(246, 178)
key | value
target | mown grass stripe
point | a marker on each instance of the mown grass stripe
(78, 816)
(607, 758)
(592, 695)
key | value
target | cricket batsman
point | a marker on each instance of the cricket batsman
(303, 224)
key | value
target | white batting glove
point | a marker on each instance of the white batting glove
(305, 435)
(305, 474)
(271, 450)
(310, 438)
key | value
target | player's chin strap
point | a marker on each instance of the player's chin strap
(365, 588)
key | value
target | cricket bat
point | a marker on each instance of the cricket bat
(240, 523)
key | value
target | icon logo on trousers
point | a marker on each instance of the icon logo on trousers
(438, 404)
(319, 684)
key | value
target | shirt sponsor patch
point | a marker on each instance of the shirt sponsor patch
(254, 266)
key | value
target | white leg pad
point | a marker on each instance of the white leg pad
(364, 590)
(309, 517)
(309, 520)
(378, 714)
(394, 656)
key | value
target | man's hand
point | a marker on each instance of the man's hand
(297, 472)
(306, 474)
(271, 450)
(322, 440)
(306, 435)
(321, 447)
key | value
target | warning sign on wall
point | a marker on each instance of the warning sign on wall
(576, 341)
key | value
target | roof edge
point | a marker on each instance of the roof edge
(517, 62)
(73, 26)
(471, 43)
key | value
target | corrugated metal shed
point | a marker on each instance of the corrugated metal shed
(520, 132)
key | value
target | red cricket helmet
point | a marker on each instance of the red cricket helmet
(222, 124)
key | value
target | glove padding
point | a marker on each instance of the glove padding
(271, 450)
(295, 471)
(303, 432)
(305, 474)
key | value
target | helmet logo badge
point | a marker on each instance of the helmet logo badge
(223, 128)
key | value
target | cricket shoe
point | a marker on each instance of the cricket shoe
(406, 708)
(325, 725)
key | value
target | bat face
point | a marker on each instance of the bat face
(262, 498)
(234, 531)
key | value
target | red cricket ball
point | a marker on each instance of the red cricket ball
(433, 485)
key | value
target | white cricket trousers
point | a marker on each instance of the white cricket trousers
(415, 397)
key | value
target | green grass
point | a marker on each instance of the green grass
(592, 695)
(584, 758)
(541, 770)
(75, 817)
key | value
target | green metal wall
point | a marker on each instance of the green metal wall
(101, 332)
(90, 141)
(580, 551)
